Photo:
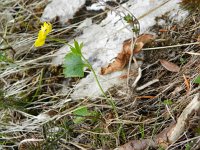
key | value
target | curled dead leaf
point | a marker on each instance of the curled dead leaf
(169, 66)
(123, 57)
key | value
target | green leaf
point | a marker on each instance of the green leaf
(188, 146)
(128, 18)
(73, 50)
(77, 47)
(141, 128)
(3, 56)
(168, 102)
(135, 29)
(197, 80)
(81, 46)
(81, 113)
(73, 65)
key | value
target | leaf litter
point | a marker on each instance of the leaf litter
(169, 66)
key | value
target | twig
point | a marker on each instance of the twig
(133, 41)
(171, 46)
(169, 112)
(147, 84)
(180, 126)
(137, 78)
(192, 53)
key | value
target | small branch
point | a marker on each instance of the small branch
(147, 84)
(171, 46)
(192, 53)
(133, 41)
(180, 126)
(170, 112)
(137, 78)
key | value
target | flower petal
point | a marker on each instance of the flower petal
(39, 43)
(45, 29)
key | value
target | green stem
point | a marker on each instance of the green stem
(58, 40)
(110, 101)
(95, 76)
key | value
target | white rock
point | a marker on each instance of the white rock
(64, 9)
(87, 22)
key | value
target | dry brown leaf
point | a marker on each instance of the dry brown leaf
(163, 30)
(187, 83)
(169, 66)
(123, 57)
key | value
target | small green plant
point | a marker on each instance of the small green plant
(130, 19)
(188, 146)
(4, 58)
(135, 29)
(81, 113)
(141, 128)
(168, 102)
(197, 79)
(74, 64)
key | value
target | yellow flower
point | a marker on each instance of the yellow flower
(45, 29)
(39, 42)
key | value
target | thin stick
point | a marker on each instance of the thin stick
(133, 41)
(192, 53)
(147, 84)
(180, 126)
(137, 78)
(171, 46)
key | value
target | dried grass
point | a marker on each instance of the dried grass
(32, 105)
